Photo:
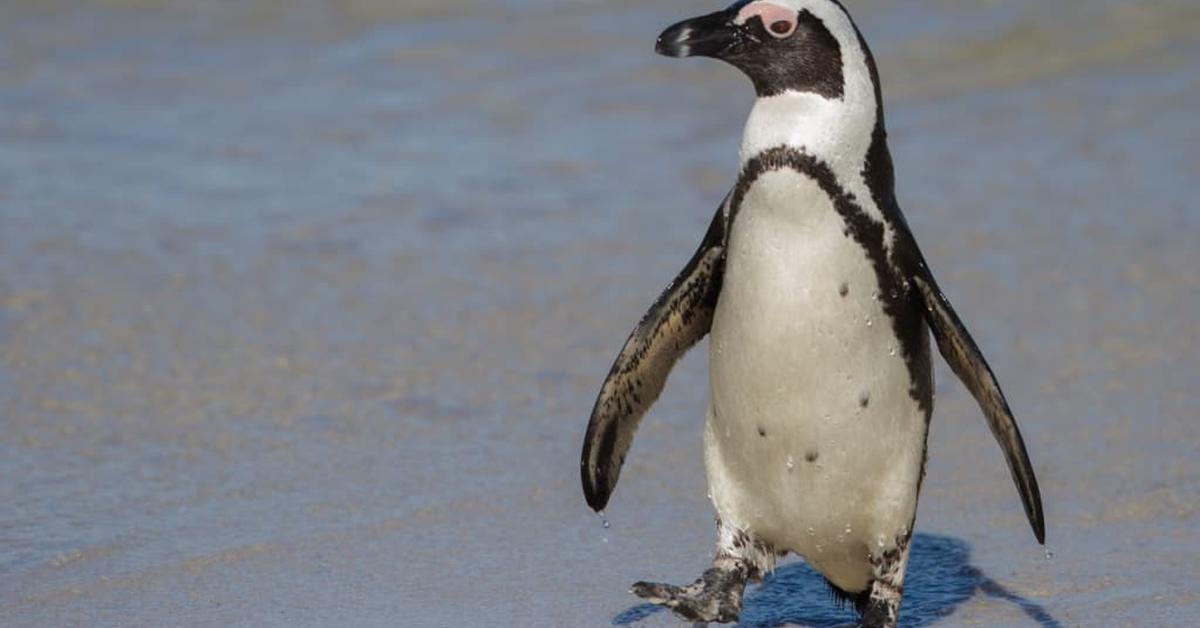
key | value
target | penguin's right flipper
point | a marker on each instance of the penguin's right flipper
(965, 359)
(680, 317)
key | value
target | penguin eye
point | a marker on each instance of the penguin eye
(779, 21)
(782, 28)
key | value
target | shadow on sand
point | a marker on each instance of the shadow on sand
(940, 578)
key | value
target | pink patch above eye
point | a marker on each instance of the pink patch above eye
(780, 21)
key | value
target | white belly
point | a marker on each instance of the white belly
(813, 442)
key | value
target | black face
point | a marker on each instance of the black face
(777, 48)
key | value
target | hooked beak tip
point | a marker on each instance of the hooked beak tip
(674, 43)
(676, 50)
(706, 36)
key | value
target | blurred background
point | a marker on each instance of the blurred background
(304, 304)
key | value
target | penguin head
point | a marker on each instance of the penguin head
(781, 45)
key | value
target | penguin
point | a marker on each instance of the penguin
(819, 306)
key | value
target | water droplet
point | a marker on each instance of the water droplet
(870, 322)
(603, 522)
(1049, 554)
(892, 351)
(849, 529)
(812, 531)
(791, 464)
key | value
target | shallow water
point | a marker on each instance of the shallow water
(303, 307)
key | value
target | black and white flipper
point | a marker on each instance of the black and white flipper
(679, 318)
(963, 355)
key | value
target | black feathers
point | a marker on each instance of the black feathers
(810, 60)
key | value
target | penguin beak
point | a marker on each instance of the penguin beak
(706, 36)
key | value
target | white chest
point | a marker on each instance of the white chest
(800, 293)
(813, 441)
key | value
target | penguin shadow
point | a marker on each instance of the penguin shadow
(940, 578)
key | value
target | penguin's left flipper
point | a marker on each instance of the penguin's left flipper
(964, 357)
(680, 317)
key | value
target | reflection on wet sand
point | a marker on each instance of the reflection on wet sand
(941, 579)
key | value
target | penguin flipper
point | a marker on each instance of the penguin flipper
(679, 318)
(964, 357)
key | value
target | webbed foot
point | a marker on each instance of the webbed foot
(715, 597)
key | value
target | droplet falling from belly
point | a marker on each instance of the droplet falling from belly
(603, 520)
(791, 464)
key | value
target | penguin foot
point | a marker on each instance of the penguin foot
(881, 608)
(880, 613)
(714, 597)
(877, 620)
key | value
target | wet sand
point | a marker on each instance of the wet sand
(303, 307)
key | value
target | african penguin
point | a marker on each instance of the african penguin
(819, 305)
